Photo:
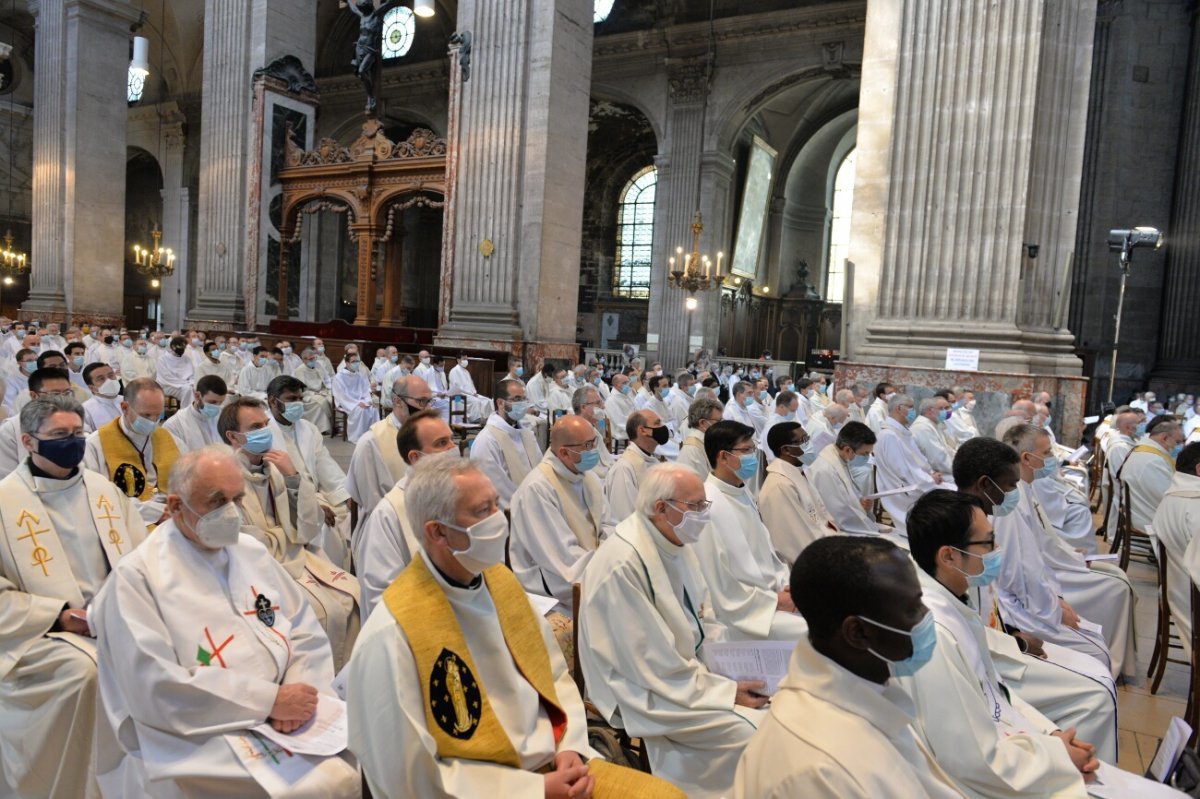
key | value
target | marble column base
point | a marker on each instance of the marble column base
(1003, 347)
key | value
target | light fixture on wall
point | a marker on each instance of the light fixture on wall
(156, 260)
(694, 271)
(424, 8)
(139, 68)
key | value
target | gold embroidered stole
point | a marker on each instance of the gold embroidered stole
(457, 712)
(585, 527)
(125, 465)
(385, 437)
(1153, 451)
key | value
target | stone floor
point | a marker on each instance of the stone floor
(1142, 717)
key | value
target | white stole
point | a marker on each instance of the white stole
(585, 527)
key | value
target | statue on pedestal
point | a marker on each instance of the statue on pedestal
(800, 286)
(367, 50)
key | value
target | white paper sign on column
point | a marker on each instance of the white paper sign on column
(962, 360)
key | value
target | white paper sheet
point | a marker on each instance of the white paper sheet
(1112, 783)
(1113, 556)
(901, 490)
(1178, 733)
(750, 660)
(1077, 455)
(542, 604)
(325, 734)
(1091, 627)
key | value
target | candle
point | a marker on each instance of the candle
(720, 255)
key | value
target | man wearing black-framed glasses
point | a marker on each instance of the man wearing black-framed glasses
(376, 465)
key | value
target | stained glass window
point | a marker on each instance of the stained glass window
(839, 230)
(635, 236)
(399, 27)
(602, 9)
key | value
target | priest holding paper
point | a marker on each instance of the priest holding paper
(457, 687)
(649, 677)
(203, 636)
(64, 528)
(559, 515)
(747, 580)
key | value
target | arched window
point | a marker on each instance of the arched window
(399, 27)
(601, 10)
(839, 230)
(635, 236)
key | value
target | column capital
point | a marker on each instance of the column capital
(688, 80)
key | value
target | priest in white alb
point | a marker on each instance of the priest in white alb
(900, 464)
(823, 427)
(105, 403)
(385, 543)
(255, 375)
(175, 371)
(352, 396)
(703, 413)
(479, 407)
(376, 464)
(457, 687)
(559, 514)
(1149, 469)
(746, 579)
(64, 529)
(1176, 523)
(791, 508)
(832, 474)
(505, 449)
(195, 425)
(648, 677)
(588, 404)
(646, 432)
(203, 637)
(619, 405)
(929, 433)
(282, 512)
(318, 397)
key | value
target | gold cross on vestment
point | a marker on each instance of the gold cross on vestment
(41, 555)
(113, 536)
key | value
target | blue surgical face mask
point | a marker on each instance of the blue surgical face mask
(258, 441)
(748, 402)
(1048, 468)
(588, 460)
(692, 389)
(991, 568)
(1175, 450)
(944, 415)
(1141, 430)
(787, 417)
(210, 411)
(763, 396)
(518, 410)
(293, 411)
(520, 370)
(664, 392)
(143, 426)
(1008, 504)
(747, 466)
(860, 460)
(912, 415)
(77, 360)
(625, 389)
(924, 641)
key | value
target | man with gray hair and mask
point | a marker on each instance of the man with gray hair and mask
(900, 464)
(318, 397)
(457, 686)
(63, 528)
(588, 403)
(203, 638)
(648, 677)
(376, 464)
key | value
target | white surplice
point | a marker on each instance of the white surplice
(383, 545)
(492, 448)
(48, 679)
(962, 425)
(877, 414)
(691, 454)
(99, 411)
(624, 478)
(930, 438)
(743, 573)
(11, 451)
(618, 406)
(1147, 475)
(648, 677)
(177, 376)
(831, 734)
(461, 382)
(792, 510)
(219, 368)
(678, 402)
(135, 365)
(388, 728)
(1069, 510)
(306, 446)
(318, 398)
(834, 483)
(254, 379)
(990, 741)
(820, 432)
(352, 396)
(187, 666)
(1175, 523)
(547, 556)
(191, 429)
(899, 464)
(369, 475)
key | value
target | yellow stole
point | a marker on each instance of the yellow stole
(457, 712)
(1153, 451)
(125, 463)
(385, 438)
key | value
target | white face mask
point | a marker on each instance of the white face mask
(487, 543)
(463, 363)
(109, 388)
(691, 525)
(218, 528)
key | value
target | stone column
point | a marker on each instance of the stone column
(176, 221)
(970, 147)
(678, 200)
(80, 65)
(1178, 359)
(239, 37)
(518, 193)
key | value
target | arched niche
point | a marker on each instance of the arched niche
(143, 215)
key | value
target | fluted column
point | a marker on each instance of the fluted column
(1178, 355)
(522, 154)
(239, 37)
(176, 221)
(970, 147)
(80, 65)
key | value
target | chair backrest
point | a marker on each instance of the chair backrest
(458, 409)
(576, 668)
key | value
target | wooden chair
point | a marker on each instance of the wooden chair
(1164, 639)
(1192, 713)
(1096, 473)
(170, 407)
(1129, 540)
(1108, 481)
(339, 422)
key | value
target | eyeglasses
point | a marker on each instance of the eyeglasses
(698, 507)
(588, 447)
(742, 450)
(990, 543)
(420, 402)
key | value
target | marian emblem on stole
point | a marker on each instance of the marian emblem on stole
(454, 696)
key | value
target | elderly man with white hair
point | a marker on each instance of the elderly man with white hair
(559, 514)
(317, 396)
(479, 407)
(929, 433)
(457, 687)
(823, 427)
(646, 432)
(900, 464)
(203, 637)
(704, 412)
(63, 528)
(962, 425)
(619, 405)
(588, 404)
(648, 677)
